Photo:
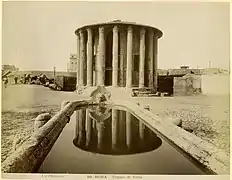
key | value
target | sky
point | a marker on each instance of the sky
(40, 35)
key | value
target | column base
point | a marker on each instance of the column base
(114, 86)
(144, 92)
(89, 85)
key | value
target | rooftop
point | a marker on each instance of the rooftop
(120, 22)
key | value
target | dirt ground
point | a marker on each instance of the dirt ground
(207, 116)
(20, 105)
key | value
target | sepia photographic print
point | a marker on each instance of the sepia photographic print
(115, 90)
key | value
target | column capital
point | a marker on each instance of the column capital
(81, 32)
(78, 38)
(142, 31)
(130, 29)
(115, 29)
(89, 30)
(155, 36)
(101, 29)
(151, 34)
(151, 31)
(78, 34)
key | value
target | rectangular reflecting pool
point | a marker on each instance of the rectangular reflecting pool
(111, 141)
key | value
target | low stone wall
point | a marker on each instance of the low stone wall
(187, 85)
(206, 84)
(215, 84)
(29, 157)
(214, 159)
(49, 74)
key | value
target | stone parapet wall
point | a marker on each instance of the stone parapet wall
(48, 74)
(205, 84)
(29, 157)
(215, 84)
(187, 85)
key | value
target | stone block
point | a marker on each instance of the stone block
(40, 120)
(147, 107)
(30, 155)
(176, 121)
(64, 103)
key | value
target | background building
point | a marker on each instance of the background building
(72, 64)
(184, 70)
(9, 68)
(118, 54)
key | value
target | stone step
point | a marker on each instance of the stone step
(147, 93)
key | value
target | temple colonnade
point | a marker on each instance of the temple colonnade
(117, 54)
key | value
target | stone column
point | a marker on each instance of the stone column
(129, 57)
(77, 124)
(115, 57)
(128, 129)
(100, 129)
(122, 57)
(88, 127)
(81, 126)
(122, 128)
(93, 124)
(101, 58)
(78, 58)
(150, 59)
(142, 58)
(155, 64)
(96, 42)
(82, 58)
(90, 58)
(114, 128)
(141, 130)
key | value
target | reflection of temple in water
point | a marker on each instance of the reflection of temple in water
(117, 133)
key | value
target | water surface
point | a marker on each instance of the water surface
(111, 141)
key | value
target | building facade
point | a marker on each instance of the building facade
(9, 68)
(183, 71)
(72, 64)
(118, 54)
